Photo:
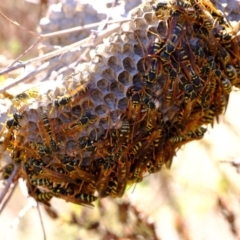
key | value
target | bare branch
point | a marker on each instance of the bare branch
(31, 203)
(42, 37)
(8, 198)
(83, 43)
(9, 182)
(41, 220)
(25, 52)
(18, 25)
(62, 50)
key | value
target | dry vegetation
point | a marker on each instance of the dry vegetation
(197, 199)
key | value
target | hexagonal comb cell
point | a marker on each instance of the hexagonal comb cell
(101, 110)
(125, 78)
(103, 85)
(110, 100)
(127, 48)
(122, 103)
(128, 64)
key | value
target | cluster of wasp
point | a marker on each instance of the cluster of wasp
(131, 117)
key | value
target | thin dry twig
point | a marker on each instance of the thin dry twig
(234, 163)
(25, 52)
(8, 198)
(27, 76)
(9, 182)
(31, 203)
(41, 221)
(18, 25)
(42, 37)
(228, 214)
(82, 43)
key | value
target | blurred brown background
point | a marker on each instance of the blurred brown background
(197, 199)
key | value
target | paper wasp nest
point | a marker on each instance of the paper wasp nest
(149, 89)
(64, 15)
